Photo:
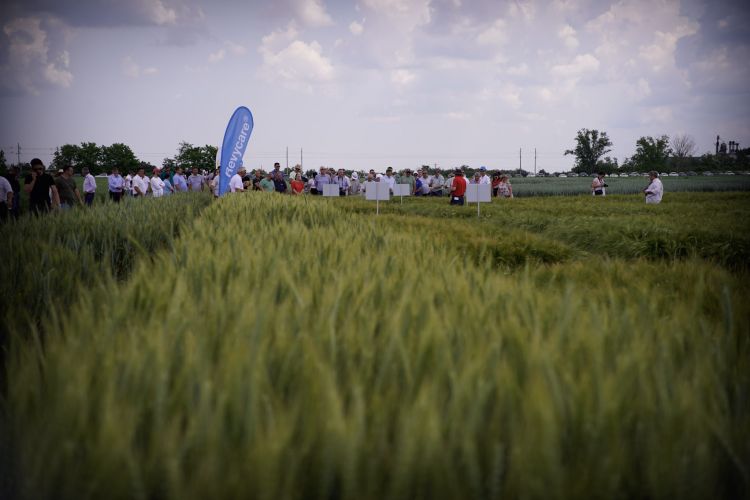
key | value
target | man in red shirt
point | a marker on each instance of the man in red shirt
(458, 188)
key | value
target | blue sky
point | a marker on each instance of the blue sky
(375, 82)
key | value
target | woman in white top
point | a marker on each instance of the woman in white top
(655, 190)
(598, 185)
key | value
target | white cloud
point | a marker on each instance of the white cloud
(568, 35)
(313, 13)
(524, 9)
(411, 12)
(458, 115)
(159, 13)
(34, 56)
(518, 70)
(132, 69)
(639, 90)
(402, 77)
(217, 56)
(580, 65)
(497, 34)
(229, 48)
(661, 53)
(356, 28)
(656, 115)
(296, 64)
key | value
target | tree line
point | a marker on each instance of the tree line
(651, 153)
(102, 159)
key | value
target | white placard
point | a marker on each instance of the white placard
(377, 191)
(478, 193)
(402, 190)
(330, 189)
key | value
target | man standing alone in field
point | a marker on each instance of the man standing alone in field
(655, 190)
(458, 188)
(89, 186)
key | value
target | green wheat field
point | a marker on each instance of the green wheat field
(272, 347)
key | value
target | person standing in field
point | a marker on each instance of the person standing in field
(598, 186)
(66, 187)
(343, 182)
(297, 185)
(196, 180)
(483, 177)
(215, 183)
(437, 184)
(235, 183)
(116, 184)
(354, 185)
(41, 187)
(655, 189)
(127, 185)
(6, 199)
(279, 184)
(389, 179)
(89, 187)
(409, 179)
(180, 184)
(13, 177)
(157, 185)
(476, 179)
(140, 185)
(267, 183)
(320, 180)
(504, 189)
(458, 188)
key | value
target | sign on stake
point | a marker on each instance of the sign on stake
(478, 193)
(377, 192)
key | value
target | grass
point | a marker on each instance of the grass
(287, 348)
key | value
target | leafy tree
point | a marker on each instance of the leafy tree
(683, 148)
(651, 153)
(3, 164)
(88, 154)
(607, 165)
(189, 156)
(169, 163)
(64, 155)
(118, 155)
(590, 146)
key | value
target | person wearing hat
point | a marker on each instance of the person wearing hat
(484, 178)
(410, 180)
(235, 183)
(458, 188)
(40, 185)
(157, 185)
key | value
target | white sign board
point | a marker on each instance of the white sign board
(478, 193)
(330, 189)
(402, 190)
(377, 191)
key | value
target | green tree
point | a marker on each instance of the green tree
(3, 164)
(118, 155)
(88, 155)
(651, 153)
(66, 154)
(590, 146)
(189, 156)
(607, 165)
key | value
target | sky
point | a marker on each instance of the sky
(374, 83)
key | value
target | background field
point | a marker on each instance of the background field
(276, 347)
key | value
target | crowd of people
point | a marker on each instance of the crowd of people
(47, 192)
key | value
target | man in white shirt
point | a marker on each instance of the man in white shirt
(655, 190)
(157, 185)
(437, 181)
(483, 177)
(6, 198)
(127, 185)
(140, 183)
(343, 182)
(89, 187)
(235, 183)
(389, 179)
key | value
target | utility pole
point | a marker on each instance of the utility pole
(301, 163)
(534, 162)
(18, 154)
(519, 160)
(287, 157)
